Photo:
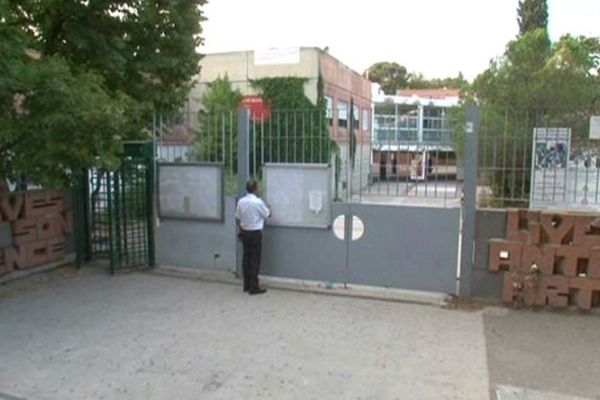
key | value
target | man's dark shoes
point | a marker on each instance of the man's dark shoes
(257, 291)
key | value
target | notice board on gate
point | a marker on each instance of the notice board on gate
(549, 167)
(190, 191)
(299, 194)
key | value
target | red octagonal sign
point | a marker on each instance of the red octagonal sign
(259, 109)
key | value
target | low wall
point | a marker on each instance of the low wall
(36, 229)
(538, 258)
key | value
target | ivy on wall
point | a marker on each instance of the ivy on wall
(297, 130)
(285, 93)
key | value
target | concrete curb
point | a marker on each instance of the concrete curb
(299, 285)
(505, 392)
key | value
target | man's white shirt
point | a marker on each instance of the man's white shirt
(252, 212)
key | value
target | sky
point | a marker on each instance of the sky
(438, 38)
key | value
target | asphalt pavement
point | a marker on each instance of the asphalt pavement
(141, 335)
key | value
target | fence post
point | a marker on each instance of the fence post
(151, 180)
(79, 194)
(469, 211)
(243, 143)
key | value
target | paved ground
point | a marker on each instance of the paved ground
(548, 352)
(143, 336)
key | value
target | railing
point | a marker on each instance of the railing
(539, 159)
(385, 136)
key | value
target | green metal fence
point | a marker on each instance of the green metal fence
(117, 209)
(559, 171)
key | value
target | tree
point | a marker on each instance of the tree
(532, 15)
(537, 74)
(81, 76)
(535, 83)
(390, 75)
(143, 48)
(218, 123)
(416, 80)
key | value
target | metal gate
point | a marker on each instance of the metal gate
(404, 207)
(117, 208)
(413, 221)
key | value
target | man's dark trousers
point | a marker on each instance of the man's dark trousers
(252, 241)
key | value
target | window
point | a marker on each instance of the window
(433, 117)
(329, 109)
(342, 110)
(365, 119)
(355, 116)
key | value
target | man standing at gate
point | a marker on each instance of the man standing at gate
(251, 213)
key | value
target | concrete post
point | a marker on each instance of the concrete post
(243, 145)
(469, 210)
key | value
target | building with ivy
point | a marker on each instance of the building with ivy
(343, 94)
(412, 134)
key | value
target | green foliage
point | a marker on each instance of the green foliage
(144, 48)
(390, 75)
(418, 81)
(535, 73)
(535, 83)
(77, 78)
(297, 130)
(66, 122)
(393, 77)
(284, 93)
(532, 15)
(221, 96)
(217, 139)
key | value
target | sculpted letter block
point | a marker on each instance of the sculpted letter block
(594, 263)
(11, 207)
(556, 227)
(587, 231)
(523, 226)
(41, 203)
(15, 257)
(570, 256)
(48, 227)
(24, 231)
(509, 290)
(504, 255)
(56, 248)
(553, 291)
(585, 291)
(37, 253)
(65, 222)
(542, 256)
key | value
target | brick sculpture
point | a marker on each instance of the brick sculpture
(38, 224)
(549, 259)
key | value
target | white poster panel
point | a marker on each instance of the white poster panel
(298, 194)
(595, 127)
(549, 169)
(190, 191)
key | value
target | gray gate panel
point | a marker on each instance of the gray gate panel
(304, 253)
(198, 244)
(406, 247)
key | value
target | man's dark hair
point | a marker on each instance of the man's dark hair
(251, 186)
